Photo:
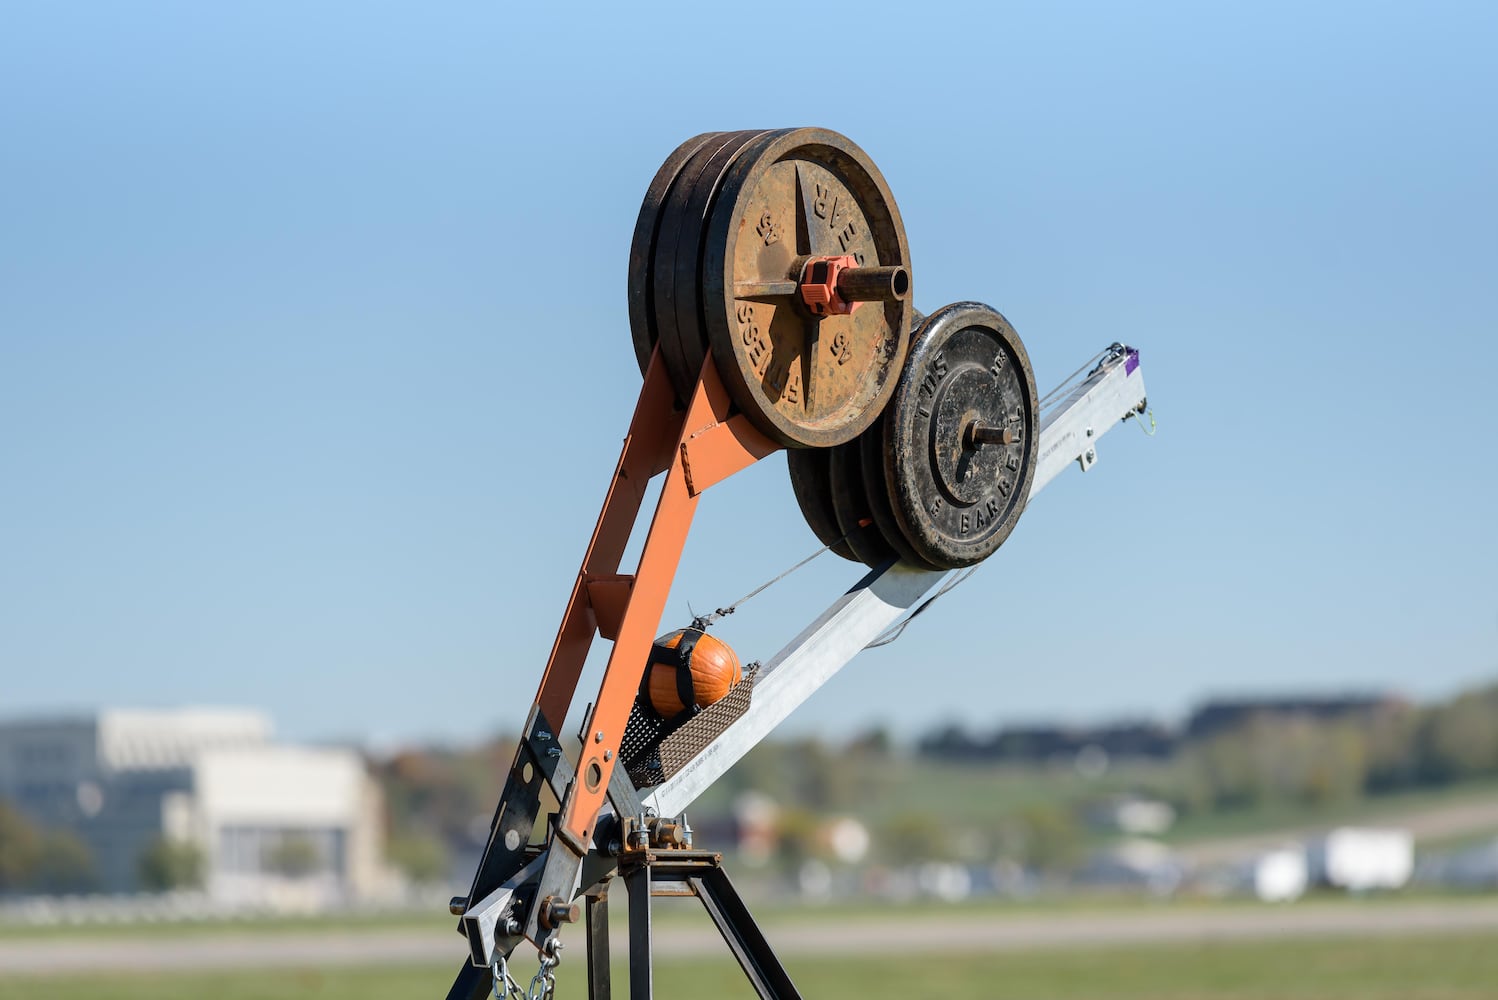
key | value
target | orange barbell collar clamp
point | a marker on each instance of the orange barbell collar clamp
(818, 285)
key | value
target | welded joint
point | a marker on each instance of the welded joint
(721, 449)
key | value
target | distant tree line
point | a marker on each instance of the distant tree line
(1040, 744)
(1305, 759)
(1248, 752)
(1228, 755)
(440, 800)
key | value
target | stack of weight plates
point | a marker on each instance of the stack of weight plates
(940, 479)
(918, 448)
(727, 227)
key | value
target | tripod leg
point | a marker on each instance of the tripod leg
(640, 980)
(471, 983)
(745, 940)
(598, 947)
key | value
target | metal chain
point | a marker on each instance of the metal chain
(505, 988)
(543, 984)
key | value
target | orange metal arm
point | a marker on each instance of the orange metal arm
(713, 444)
(647, 450)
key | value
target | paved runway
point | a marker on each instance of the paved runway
(926, 933)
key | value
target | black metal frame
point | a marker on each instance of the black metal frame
(648, 874)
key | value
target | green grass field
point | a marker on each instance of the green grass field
(1426, 968)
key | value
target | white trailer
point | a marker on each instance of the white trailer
(1359, 859)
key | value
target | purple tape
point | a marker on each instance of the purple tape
(1131, 362)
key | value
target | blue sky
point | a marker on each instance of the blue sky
(314, 357)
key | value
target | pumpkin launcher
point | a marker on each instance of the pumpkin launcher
(770, 304)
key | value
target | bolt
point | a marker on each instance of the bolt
(509, 927)
(558, 911)
(668, 835)
(639, 833)
(598, 736)
(608, 755)
(976, 434)
(457, 906)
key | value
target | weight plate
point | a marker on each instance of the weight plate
(851, 506)
(642, 325)
(872, 460)
(681, 223)
(804, 381)
(812, 484)
(960, 437)
(875, 458)
(678, 260)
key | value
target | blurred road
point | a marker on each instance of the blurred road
(872, 934)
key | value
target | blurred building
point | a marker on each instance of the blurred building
(271, 824)
(1133, 815)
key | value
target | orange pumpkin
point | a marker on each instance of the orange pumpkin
(713, 666)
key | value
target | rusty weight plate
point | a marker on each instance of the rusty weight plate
(804, 381)
(677, 267)
(811, 482)
(960, 436)
(642, 324)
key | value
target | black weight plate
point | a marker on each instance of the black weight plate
(811, 481)
(850, 504)
(873, 458)
(812, 484)
(955, 497)
(642, 326)
(663, 256)
(805, 382)
(674, 268)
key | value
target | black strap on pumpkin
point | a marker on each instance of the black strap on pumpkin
(680, 658)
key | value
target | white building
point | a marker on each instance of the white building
(276, 825)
